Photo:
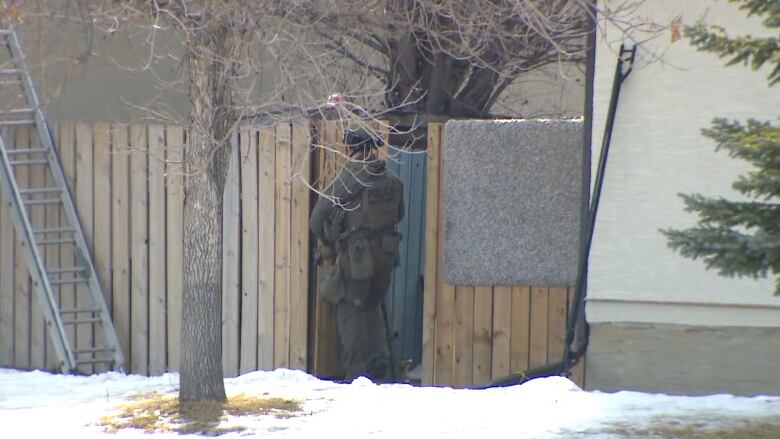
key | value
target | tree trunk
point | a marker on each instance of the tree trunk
(212, 66)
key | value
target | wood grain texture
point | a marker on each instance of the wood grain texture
(231, 264)
(464, 336)
(102, 218)
(521, 310)
(120, 234)
(174, 194)
(266, 246)
(139, 250)
(157, 261)
(432, 263)
(299, 245)
(282, 249)
(537, 355)
(502, 328)
(483, 334)
(249, 253)
(23, 299)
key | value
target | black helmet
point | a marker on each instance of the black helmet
(359, 137)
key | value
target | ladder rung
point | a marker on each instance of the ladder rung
(45, 190)
(9, 72)
(80, 310)
(29, 162)
(54, 230)
(56, 241)
(66, 270)
(16, 111)
(94, 350)
(81, 321)
(42, 201)
(94, 360)
(70, 280)
(26, 151)
(17, 122)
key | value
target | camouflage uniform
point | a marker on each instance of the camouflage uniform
(361, 236)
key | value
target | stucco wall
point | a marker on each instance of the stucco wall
(136, 73)
(658, 152)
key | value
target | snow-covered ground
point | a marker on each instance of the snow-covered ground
(42, 405)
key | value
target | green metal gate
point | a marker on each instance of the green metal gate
(405, 298)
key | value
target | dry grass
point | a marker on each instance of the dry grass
(696, 429)
(154, 412)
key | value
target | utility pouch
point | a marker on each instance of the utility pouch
(390, 243)
(333, 227)
(361, 261)
(330, 282)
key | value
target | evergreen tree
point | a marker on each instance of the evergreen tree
(740, 238)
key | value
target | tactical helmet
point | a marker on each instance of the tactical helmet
(360, 137)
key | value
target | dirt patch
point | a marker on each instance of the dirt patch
(696, 429)
(155, 412)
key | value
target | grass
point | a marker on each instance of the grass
(155, 412)
(696, 429)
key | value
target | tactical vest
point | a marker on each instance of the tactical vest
(378, 208)
(370, 243)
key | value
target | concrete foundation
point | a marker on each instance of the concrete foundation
(683, 360)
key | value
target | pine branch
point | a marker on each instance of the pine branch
(748, 50)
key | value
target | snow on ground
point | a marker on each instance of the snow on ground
(42, 405)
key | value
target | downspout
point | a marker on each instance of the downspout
(571, 356)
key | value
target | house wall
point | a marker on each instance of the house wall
(135, 74)
(658, 152)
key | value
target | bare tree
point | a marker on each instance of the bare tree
(451, 58)
(433, 56)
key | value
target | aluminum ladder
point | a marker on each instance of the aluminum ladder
(20, 107)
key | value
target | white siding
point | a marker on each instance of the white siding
(657, 152)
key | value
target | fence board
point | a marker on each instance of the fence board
(38, 333)
(299, 246)
(556, 323)
(432, 264)
(266, 220)
(282, 275)
(7, 296)
(120, 233)
(537, 355)
(502, 327)
(464, 336)
(21, 278)
(66, 151)
(83, 193)
(577, 373)
(231, 271)
(483, 334)
(175, 240)
(139, 207)
(521, 308)
(249, 240)
(327, 348)
(101, 174)
(157, 268)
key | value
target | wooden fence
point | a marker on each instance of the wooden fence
(127, 186)
(475, 334)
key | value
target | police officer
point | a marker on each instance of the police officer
(356, 223)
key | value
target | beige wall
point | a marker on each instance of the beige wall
(122, 78)
(658, 152)
(113, 83)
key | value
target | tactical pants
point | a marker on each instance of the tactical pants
(362, 330)
(364, 350)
